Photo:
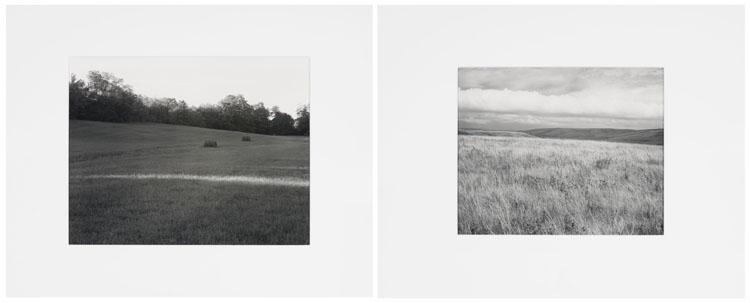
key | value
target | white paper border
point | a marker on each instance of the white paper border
(701, 51)
(338, 260)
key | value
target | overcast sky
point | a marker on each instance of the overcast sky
(280, 81)
(528, 98)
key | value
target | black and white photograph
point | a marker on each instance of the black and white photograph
(561, 151)
(189, 150)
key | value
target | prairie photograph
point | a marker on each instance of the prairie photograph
(560, 151)
(189, 150)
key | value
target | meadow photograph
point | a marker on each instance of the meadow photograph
(560, 151)
(189, 150)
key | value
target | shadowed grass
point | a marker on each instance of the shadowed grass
(116, 211)
(547, 186)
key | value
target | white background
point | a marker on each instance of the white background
(701, 252)
(339, 260)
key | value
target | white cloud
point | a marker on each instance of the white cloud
(603, 102)
(525, 98)
(557, 80)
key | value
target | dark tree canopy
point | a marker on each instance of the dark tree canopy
(302, 124)
(107, 98)
(281, 123)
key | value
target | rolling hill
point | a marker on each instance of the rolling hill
(493, 133)
(642, 136)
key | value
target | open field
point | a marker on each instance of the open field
(146, 183)
(517, 185)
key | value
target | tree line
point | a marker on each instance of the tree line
(107, 98)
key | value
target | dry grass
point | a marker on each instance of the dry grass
(549, 186)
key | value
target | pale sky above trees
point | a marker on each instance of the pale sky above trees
(279, 81)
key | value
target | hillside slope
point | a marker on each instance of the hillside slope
(642, 136)
(493, 133)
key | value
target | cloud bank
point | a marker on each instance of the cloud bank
(524, 98)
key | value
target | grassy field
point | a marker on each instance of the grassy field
(517, 185)
(125, 210)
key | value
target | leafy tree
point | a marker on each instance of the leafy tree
(281, 123)
(302, 123)
(259, 119)
(211, 116)
(107, 98)
(158, 109)
(111, 100)
(77, 98)
(236, 113)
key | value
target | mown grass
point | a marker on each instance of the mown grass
(151, 148)
(107, 211)
(149, 211)
(551, 186)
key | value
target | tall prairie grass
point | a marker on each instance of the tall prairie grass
(510, 185)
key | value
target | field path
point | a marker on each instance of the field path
(231, 179)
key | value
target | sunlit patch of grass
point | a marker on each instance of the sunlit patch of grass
(210, 178)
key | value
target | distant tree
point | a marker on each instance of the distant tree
(180, 114)
(281, 123)
(236, 113)
(111, 100)
(77, 98)
(194, 118)
(302, 123)
(107, 98)
(211, 116)
(106, 84)
(259, 119)
(158, 109)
